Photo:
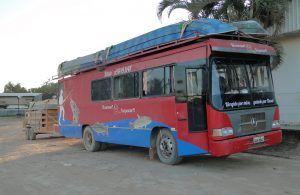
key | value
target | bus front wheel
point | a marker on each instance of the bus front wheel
(166, 147)
(89, 141)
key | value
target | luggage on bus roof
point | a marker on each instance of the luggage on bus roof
(180, 31)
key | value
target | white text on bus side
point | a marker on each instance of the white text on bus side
(118, 71)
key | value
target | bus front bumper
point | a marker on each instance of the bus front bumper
(235, 145)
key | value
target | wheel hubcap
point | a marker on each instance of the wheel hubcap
(166, 146)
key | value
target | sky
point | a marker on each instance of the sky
(37, 35)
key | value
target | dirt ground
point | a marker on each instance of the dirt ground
(54, 165)
(289, 148)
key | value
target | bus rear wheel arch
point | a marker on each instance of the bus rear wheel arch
(166, 147)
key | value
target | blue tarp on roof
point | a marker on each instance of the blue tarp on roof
(164, 35)
(202, 27)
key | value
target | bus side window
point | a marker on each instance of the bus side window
(101, 89)
(126, 86)
(157, 81)
(194, 82)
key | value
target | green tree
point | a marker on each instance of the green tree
(270, 13)
(47, 89)
(195, 8)
(267, 12)
(14, 88)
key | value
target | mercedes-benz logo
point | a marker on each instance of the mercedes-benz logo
(253, 122)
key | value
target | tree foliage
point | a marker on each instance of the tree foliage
(195, 8)
(14, 88)
(48, 90)
(269, 13)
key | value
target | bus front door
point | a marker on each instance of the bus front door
(196, 100)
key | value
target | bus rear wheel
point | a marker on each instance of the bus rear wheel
(89, 141)
(166, 147)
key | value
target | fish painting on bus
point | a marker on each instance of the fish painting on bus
(100, 128)
(140, 122)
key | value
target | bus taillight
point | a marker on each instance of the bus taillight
(275, 122)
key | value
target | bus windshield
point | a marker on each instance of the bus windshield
(240, 83)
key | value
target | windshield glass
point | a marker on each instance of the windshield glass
(241, 83)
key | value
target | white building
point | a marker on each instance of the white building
(287, 76)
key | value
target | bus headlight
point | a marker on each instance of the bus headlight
(225, 131)
(275, 124)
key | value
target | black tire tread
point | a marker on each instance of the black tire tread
(175, 159)
(95, 146)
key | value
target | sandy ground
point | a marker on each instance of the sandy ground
(52, 165)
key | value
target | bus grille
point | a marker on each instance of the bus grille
(253, 123)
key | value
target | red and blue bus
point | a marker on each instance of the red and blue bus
(202, 95)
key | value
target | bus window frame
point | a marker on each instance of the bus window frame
(111, 92)
(140, 75)
(171, 66)
(205, 76)
(113, 87)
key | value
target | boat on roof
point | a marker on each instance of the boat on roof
(176, 32)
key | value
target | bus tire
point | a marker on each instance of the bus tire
(32, 134)
(89, 141)
(103, 146)
(166, 147)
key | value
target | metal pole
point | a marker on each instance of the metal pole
(18, 106)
